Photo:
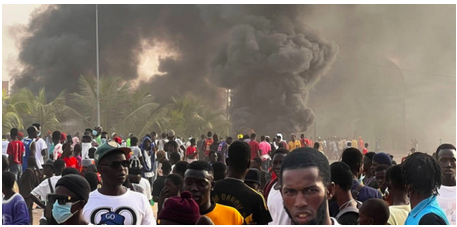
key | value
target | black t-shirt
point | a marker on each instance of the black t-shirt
(431, 219)
(158, 185)
(247, 201)
(349, 218)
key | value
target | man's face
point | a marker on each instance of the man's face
(172, 188)
(381, 179)
(199, 184)
(446, 157)
(373, 167)
(304, 195)
(364, 219)
(302, 136)
(213, 157)
(276, 162)
(113, 176)
(48, 170)
(292, 137)
(256, 164)
(366, 164)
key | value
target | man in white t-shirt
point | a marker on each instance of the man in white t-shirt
(4, 145)
(445, 154)
(114, 204)
(40, 192)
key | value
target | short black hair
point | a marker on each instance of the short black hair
(422, 173)
(56, 134)
(280, 151)
(133, 141)
(219, 167)
(370, 155)
(442, 147)
(353, 158)
(31, 130)
(14, 132)
(306, 157)
(92, 179)
(253, 135)
(59, 165)
(176, 179)
(70, 170)
(201, 165)
(8, 179)
(175, 157)
(316, 145)
(394, 176)
(181, 167)
(166, 167)
(209, 134)
(239, 156)
(341, 175)
(262, 138)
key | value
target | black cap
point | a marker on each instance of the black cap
(253, 175)
(76, 184)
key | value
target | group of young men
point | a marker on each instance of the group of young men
(232, 182)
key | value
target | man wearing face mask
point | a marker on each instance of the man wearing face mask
(305, 187)
(72, 194)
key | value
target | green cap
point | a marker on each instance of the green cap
(107, 148)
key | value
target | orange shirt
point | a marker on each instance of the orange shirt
(225, 215)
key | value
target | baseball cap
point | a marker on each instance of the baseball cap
(171, 133)
(252, 175)
(109, 147)
(240, 136)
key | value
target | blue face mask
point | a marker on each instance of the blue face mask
(62, 212)
(103, 140)
(94, 132)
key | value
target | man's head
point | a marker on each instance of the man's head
(174, 184)
(133, 141)
(305, 186)
(8, 179)
(353, 158)
(174, 158)
(394, 180)
(56, 137)
(202, 136)
(14, 133)
(209, 134)
(229, 140)
(445, 154)
(257, 163)
(341, 175)
(32, 132)
(199, 181)
(239, 157)
(374, 212)
(262, 138)
(70, 190)
(316, 145)
(252, 179)
(366, 145)
(220, 170)
(421, 175)
(367, 159)
(380, 159)
(302, 136)
(180, 168)
(253, 136)
(166, 168)
(192, 142)
(59, 166)
(293, 136)
(278, 158)
(380, 174)
(112, 163)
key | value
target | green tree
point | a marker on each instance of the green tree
(15, 108)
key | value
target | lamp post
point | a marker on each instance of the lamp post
(98, 70)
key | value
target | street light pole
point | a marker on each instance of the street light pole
(98, 70)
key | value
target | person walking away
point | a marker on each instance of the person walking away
(15, 152)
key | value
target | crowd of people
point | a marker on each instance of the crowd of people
(102, 178)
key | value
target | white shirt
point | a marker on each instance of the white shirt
(42, 190)
(131, 208)
(276, 208)
(85, 150)
(446, 200)
(39, 146)
(5, 147)
(136, 151)
(147, 188)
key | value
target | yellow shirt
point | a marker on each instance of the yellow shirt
(225, 215)
(354, 143)
(398, 214)
(294, 145)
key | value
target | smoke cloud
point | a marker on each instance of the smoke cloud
(263, 53)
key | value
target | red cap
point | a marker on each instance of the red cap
(181, 209)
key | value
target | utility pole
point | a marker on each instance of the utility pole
(98, 69)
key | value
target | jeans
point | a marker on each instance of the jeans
(16, 169)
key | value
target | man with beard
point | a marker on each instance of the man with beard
(113, 203)
(445, 154)
(199, 181)
(305, 187)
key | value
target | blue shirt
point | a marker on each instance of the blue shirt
(15, 211)
(426, 206)
(27, 145)
(365, 192)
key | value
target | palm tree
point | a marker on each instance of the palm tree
(15, 108)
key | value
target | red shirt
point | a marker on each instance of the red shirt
(191, 152)
(254, 149)
(208, 142)
(71, 162)
(16, 150)
(365, 151)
